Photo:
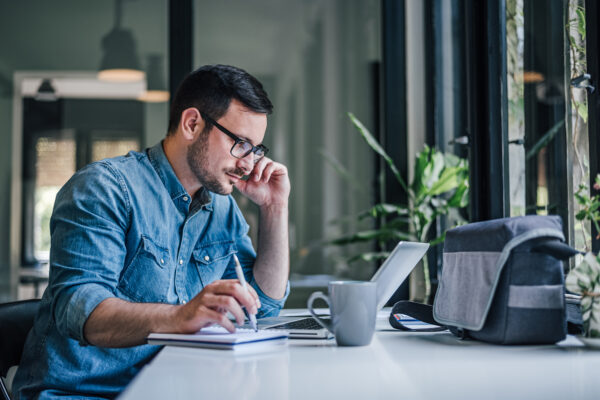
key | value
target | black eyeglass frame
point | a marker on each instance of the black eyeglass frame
(238, 140)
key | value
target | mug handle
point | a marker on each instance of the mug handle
(311, 299)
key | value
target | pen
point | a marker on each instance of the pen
(240, 276)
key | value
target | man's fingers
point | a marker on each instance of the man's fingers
(254, 295)
(268, 171)
(213, 303)
(232, 287)
(218, 318)
(226, 303)
(259, 168)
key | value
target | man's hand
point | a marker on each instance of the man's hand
(268, 184)
(211, 305)
(119, 323)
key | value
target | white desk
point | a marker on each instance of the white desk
(396, 365)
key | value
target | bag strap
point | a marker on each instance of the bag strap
(422, 312)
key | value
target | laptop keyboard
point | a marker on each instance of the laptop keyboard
(304, 323)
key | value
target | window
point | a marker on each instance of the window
(59, 138)
(55, 163)
(548, 140)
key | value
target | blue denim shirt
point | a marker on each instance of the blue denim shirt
(125, 227)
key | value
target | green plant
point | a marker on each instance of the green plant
(440, 185)
(589, 205)
(584, 279)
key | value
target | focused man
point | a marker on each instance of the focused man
(145, 242)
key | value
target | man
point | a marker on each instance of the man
(145, 242)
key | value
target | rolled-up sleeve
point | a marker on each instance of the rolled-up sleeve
(87, 254)
(270, 307)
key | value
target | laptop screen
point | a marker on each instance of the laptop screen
(396, 268)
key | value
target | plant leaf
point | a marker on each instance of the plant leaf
(545, 139)
(448, 181)
(371, 256)
(341, 170)
(421, 162)
(373, 234)
(460, 197)
(581, 22)
(383, 210)
(378, 149)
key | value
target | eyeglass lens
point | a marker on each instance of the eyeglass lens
(243, 148)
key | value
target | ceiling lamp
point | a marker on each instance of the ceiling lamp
(156, 89)
(46, 91)
(119, 61)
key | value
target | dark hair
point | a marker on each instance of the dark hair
(210, 89)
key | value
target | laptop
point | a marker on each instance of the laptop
(389, 277)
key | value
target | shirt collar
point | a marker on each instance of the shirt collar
(163, 168)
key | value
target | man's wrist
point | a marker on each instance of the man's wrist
(165, 320)
(274, 209)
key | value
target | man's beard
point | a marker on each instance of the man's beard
(197, 159)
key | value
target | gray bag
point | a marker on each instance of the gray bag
(503, 281)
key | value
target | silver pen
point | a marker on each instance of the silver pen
(240, 276)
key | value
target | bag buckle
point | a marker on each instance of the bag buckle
(461, 333)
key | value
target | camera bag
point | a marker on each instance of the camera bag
(502, 282)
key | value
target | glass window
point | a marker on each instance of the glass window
(111, 148)
(55, 163)
(548, 147)
(85, 131)
(578, 145)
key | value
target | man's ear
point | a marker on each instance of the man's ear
(191, 123)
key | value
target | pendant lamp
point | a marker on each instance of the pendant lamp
(46, 91)
(119, 61)
(156, 89)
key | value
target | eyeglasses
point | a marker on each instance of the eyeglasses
(241, 148)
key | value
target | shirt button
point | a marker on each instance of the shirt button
(162, 261)
(183, 302)
(180, 262)
(185, 198)
(207, 258)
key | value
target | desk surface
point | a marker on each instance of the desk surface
(396, 365)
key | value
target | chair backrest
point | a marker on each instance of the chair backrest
(16, 320)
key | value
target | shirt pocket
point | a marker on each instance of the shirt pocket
(147, 277)
(212, 260)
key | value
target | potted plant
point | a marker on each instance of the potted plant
(584, 279)
(440, 186)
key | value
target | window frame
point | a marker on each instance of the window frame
(51, 116)
(592, 16)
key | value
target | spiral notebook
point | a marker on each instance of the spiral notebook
(216, 337)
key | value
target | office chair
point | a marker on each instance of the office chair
(16, 320)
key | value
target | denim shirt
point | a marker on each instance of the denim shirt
(126, 228)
